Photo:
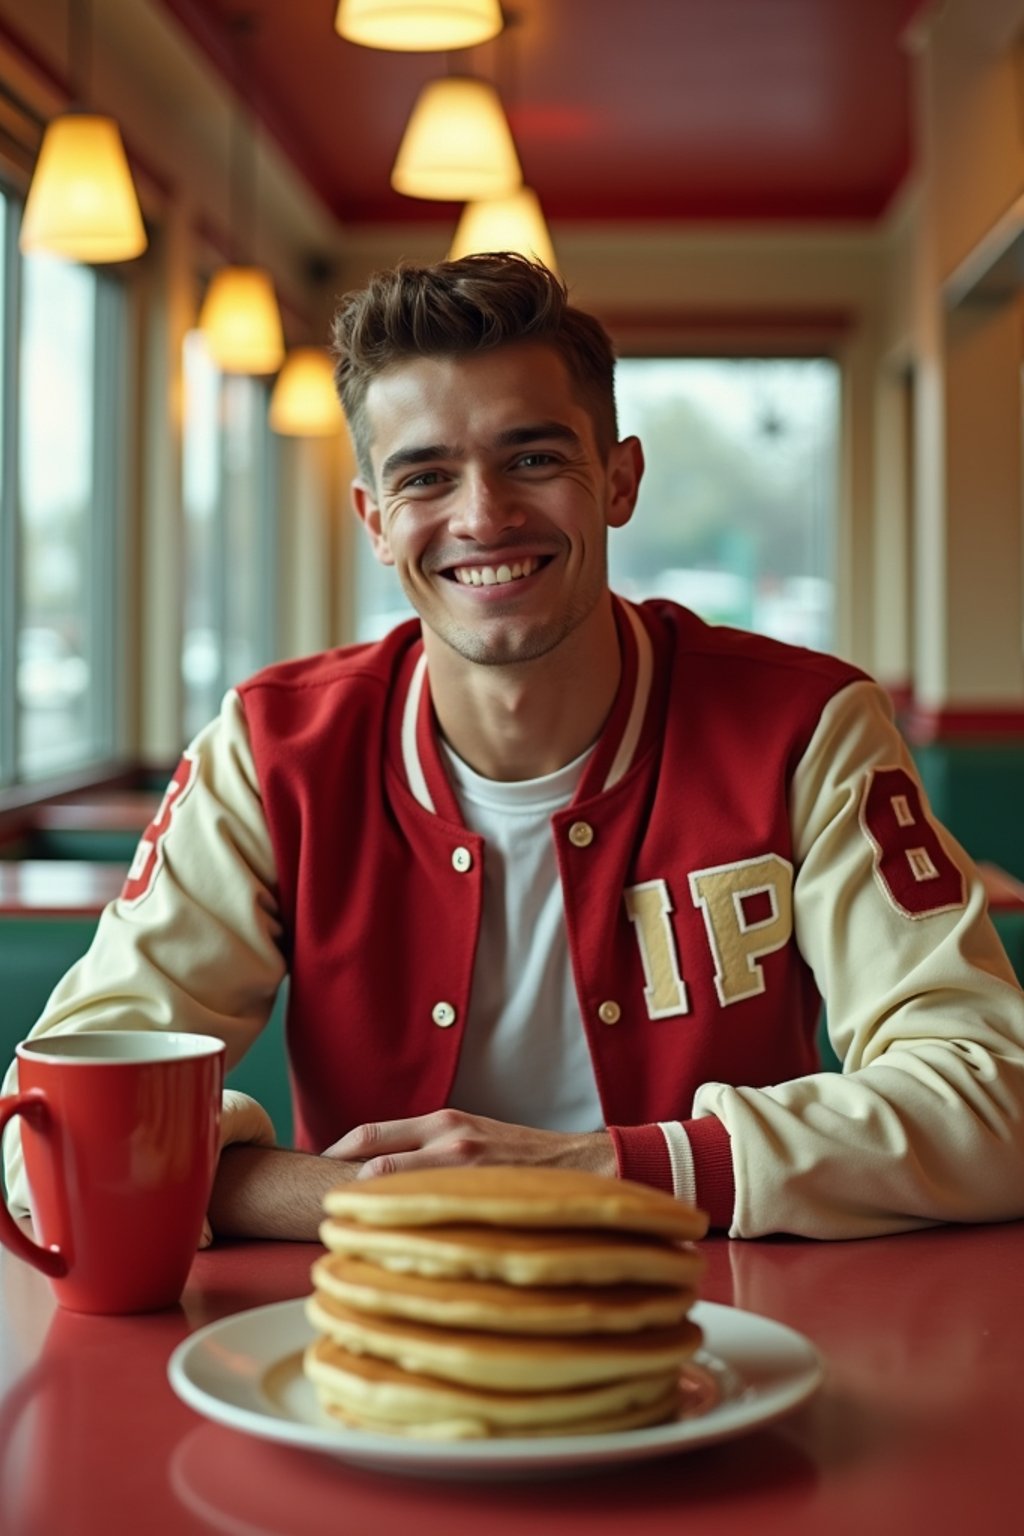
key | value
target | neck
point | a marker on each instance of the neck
(532, 718)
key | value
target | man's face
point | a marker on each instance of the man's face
(492, 499)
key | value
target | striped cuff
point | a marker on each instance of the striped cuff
(715, 1183)
(691, 1159)
(641, 1154)
(680, 1155)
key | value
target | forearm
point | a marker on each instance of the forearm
(273, 1192)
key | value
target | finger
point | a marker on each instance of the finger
(378, 1137)
(448, 1154)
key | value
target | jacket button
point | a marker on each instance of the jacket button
(609, 1012)
(462, 860)
(443, 1015)
(581, 834)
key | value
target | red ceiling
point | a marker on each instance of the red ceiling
(621, 109)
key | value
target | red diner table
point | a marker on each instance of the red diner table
(917, 1427)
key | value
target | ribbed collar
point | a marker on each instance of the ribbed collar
(614, 754)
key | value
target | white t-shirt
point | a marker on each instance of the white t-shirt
(524, 1057)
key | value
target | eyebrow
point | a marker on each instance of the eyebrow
(541, 431)
(512, 437)
(405, 458)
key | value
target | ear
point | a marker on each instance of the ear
(625, 471)
(365, 506)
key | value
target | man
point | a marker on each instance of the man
(557, 879)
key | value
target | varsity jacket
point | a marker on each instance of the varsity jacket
(748, 837)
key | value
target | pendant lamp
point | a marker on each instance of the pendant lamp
(457, 145)
(418, 26)
(513, 223)
(304, 402)
(240, 320)
(82, 204)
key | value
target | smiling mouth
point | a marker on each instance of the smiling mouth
(495, 575)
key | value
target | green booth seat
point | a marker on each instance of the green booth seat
(102, 828)
(91, 845)
(48, 915)
(975, 790)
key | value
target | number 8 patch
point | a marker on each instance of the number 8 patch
(915, 871)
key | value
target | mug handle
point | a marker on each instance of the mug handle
(34, 1108)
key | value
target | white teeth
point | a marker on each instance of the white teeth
(492, 576)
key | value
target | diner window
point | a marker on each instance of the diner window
(737, 510)
(229, 477)
(59, 510)
(738, 506)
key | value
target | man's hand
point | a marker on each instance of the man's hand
(449, 1138)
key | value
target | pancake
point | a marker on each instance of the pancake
(502, 1363)
(376, 1395)
(478, 1429)
(492, 1307)
(468, 1302)
(514, 1197)
(518, 1257)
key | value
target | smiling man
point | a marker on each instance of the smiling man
(557, 879)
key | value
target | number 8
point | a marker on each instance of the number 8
(916, 872)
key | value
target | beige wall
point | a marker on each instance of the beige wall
(966, 350)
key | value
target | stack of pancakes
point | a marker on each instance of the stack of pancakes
(468, 1302)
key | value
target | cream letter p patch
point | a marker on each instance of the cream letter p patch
(748, 913)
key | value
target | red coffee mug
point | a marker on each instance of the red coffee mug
(120, 1133)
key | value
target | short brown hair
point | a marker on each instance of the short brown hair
(458, 307)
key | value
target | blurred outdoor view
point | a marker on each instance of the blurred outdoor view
(227, 492)
(737, 510)
(55, 650)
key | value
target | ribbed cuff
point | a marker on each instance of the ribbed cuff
(641, 1154)
(712, 1166)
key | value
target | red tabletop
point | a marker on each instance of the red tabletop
(917, 1428)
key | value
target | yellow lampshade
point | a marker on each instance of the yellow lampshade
(241, 322)
(457, 145)
(513, 223)
(82, 203)
(418, 26)
(304, 402)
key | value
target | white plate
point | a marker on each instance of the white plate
(245, 1371)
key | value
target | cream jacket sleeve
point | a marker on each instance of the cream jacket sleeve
(194, 945)
(926, 1122)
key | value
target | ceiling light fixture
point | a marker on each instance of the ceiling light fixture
(304, 402)
(241, 322)
(457, 145)
(418, 26)
(513, 223)
(240, 319)
(82, 204)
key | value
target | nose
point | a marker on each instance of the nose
(486, 507)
